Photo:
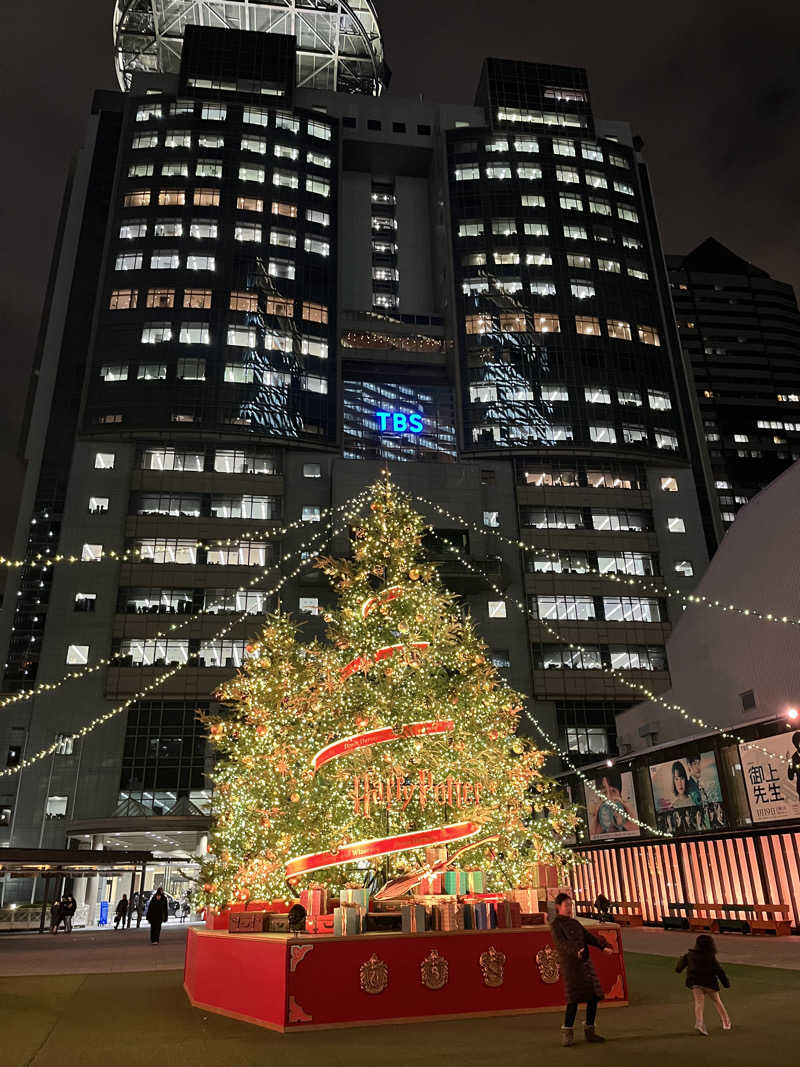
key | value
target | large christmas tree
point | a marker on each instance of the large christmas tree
(346, 758)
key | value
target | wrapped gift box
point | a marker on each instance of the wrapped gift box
(482, 909)
(444, 916)
(432, 884)
(435, 854)
(414, 918)
(278, 923)
(468, 915)
(319, 924)
(546, 875)
(476, 880)
(527, 897)
(315, 900)
(455, 881)
(348, 920)
(248, 922)
(502, 913)
(354, 894)
(536, 918)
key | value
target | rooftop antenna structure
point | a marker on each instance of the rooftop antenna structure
(339, 44)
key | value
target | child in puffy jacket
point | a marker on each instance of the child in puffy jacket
(703, 975)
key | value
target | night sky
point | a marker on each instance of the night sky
(712, 88)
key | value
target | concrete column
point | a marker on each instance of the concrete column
(92, 881)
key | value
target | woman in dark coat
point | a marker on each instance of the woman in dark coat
(581, 984)
(157, 913)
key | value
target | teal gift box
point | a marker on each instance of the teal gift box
(476, 881)
(354, 895)
(455, 882)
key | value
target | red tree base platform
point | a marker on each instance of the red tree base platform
(292, 982)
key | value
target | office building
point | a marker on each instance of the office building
(740, 332)
(267, 288)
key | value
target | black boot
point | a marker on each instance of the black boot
(592, 1036)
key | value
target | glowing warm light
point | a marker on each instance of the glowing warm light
(792, 713)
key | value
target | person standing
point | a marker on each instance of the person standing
(121, 913)
(703, 975)
(68, 909)
(157, 914)
(581, 984)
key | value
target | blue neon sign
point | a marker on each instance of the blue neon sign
(398, 422)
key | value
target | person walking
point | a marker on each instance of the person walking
(157, 914)
(139, 909)
(703, 975)
(581, 984)
(121, 913)
(68, 909)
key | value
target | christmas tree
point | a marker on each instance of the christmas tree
(347, 757)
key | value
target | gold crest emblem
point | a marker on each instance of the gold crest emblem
(547, 962)
(435, 970)
(492, 964)
(374, 975)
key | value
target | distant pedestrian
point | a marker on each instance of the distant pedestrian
(55, 916)
(703, 975)
(138, 907)
(121, 912)
(157, 914)
(602, 908)
(186, 908)
(581, 984)
(68, 909)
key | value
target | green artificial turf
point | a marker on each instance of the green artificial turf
(117, 1020)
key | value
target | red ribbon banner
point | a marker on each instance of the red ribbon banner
(379, 846)
(382, 653)
(378, 737)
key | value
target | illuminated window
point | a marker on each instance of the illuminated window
(249, 203)
(206, 198)
(547, 323)
(139, 198)
(629, 398)
(309, 605)
(676, 525)
(178, 139)
(91, 553)
(129, 231)
(85, 601)
(319, 218)
(318, 129)
(563, 148)
(472, 228)
(610, 265)
(311, 513)
(669, 484)
(114, 372)
(603, 434)
(513, 322)
(283, 238)
(171, 198)
(627, 213)
(280, 305)
(240, 301)
(200, 263)
(619, 330)
(168, 228)
(247, 231)
(288, 210)
(684, 567)
(241, 336)
(317, 246)
(197, 298)
(315, 312)
(568, 202)
(214, 112)
(318, 186)
(175, 170)
(256, 144)
(497, 609)
(104, 461)
(122, 299)
(256, 116)
(156, 333)
(160, 298)
(649, 335)
(151, 372)
(98, 504)
(587, 324)
(568, 175)
(191, 370)
(599, 207)
(194, 333)
(128, 261)
(165, 260)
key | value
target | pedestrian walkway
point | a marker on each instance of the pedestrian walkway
(93, 951)
(783, 952)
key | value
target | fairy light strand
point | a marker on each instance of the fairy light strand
(47, 687)
(100, 720)
(614, 673)
(660, 586)
(548, 740)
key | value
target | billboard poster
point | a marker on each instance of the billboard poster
(687, 795)
(772, 778)
(614, 819)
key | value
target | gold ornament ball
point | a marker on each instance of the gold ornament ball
(413, 574)
(295, 798)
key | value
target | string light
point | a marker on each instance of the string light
(547, 739)
(267, 533)
(660, 586)
(47, 687)
(613, 672)
(100, 720)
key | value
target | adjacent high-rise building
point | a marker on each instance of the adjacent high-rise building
(267, 287)
(740, 331)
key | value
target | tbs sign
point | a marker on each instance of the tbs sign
(397, 422)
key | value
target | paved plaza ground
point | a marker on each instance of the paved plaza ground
(100, 998)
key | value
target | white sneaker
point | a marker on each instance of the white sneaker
(728, 1027)
(702, 1031)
